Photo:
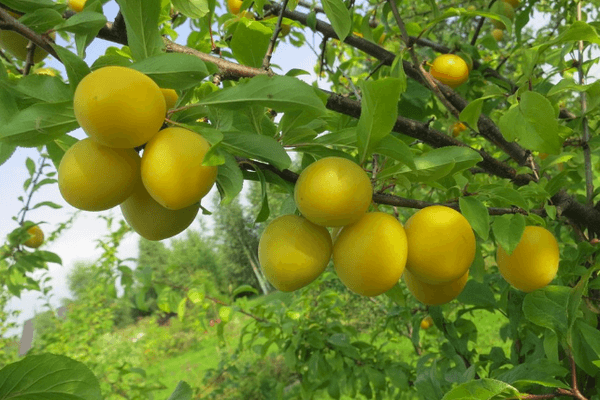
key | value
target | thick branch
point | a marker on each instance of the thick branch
(11, 23)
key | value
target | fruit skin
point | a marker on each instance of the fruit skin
(441, 244)
(93, 177)
(151, 220)
(534, 262)
(293, 252)
(234, 6)
(498, 34)
(369, 256)
(505, 9)
(434, 295)
(172, 169)
(76, 5)
(119, 107)
(513, 3)
(333, 191)
(458, 128)
(427, 322)
(450, 69)
(170, 96)
(16, 45)
(36, 239)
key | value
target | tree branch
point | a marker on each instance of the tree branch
(11, 23)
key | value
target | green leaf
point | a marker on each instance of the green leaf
(577, 293)
(481, 389)
(196, 296)
(39, 124)
(173, 70)
(470, 114)
(533, 122)
(142, 21)
(30, 166)
(50, 377)
(547, 307)
(6, 150)
(508, 230)
(379, 111)
(244, 289)
(586, 347)
(192, 8)
(258, 147)
(282, 93)
(539, 372)
(230, 179)
(395, 148)
(477, 294)
(250, 42)
(477, 215)
(28, 6)
(8, 105)
(83, 23)
(183, 391)
(264, 211)
(181, 308)
(76, 68)
(48, 89)
(225, 314)
(42, 19)
(48, 256)
(509, 195)
(56, 149)
(579, 30)
(340, 17)
(436, 164)
(397, 295)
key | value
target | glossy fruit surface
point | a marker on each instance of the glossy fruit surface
(16, 45)
(171, 97)
(36, 239)
(498, 34)
(172, 169)
(93, 177)
(293, 252)
(534, 262)
(434, 295)
(151, 220)
(457, 128)
(441, 244)
(76, 5)
(333, 191)
(369, 256)
(119, 107)
(450, 69)
(234, 6)
(427, 322)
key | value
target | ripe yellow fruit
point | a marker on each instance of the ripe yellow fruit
(457, 128)
(498, 34)
(505, 9)
(293, 252)
(450, 69)
(171, 97)
(513, 3)
(119, 107)
(93, 177)
(234, 6)
(467, 58)
(534, 262)
(369, 256)
(172, 169)
(151, 220)
(427, 322)
(76, 5)
(45, 71)
(333, 191)
(441, 244)
(16, 45)
(434, 295)
(36, 239)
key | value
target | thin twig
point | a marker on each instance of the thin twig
(8, 60)
(267, 59)
(587, 157)
(29, 59)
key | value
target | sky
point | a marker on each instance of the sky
(80, 241)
